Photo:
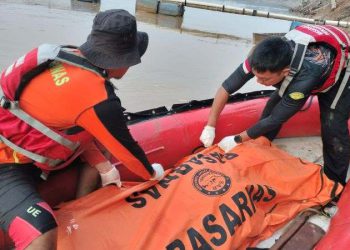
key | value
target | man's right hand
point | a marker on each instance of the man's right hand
(207, 136)
(111, 177)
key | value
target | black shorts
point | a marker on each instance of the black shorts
(23, 214)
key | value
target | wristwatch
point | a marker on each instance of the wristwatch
(238, 138)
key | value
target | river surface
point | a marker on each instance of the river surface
(188, 58)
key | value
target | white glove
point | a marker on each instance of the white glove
(227, 143)
(111, 177)
(158, 171)
(207, 136)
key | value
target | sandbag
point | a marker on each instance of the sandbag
(209, 200)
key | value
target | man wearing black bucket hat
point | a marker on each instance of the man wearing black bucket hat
(114, 41)
(65, 102)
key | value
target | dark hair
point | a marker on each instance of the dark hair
(272, 54)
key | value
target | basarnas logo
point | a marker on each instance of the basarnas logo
(210, 182)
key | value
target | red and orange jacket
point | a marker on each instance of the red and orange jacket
(73, 99)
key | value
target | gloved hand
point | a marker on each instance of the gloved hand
(111, 177)
(207, 136)
(227, 143)
(158, 171)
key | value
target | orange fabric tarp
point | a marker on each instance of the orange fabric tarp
(210, 200)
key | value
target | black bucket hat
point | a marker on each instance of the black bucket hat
(114, 41)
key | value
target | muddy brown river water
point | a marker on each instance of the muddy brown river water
(188, 58)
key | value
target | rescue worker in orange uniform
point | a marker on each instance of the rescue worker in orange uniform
(67, 97)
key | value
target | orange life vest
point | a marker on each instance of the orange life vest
(49, 148)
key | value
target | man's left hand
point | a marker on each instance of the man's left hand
(227, 143)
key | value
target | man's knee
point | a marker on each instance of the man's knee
(46, 241)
